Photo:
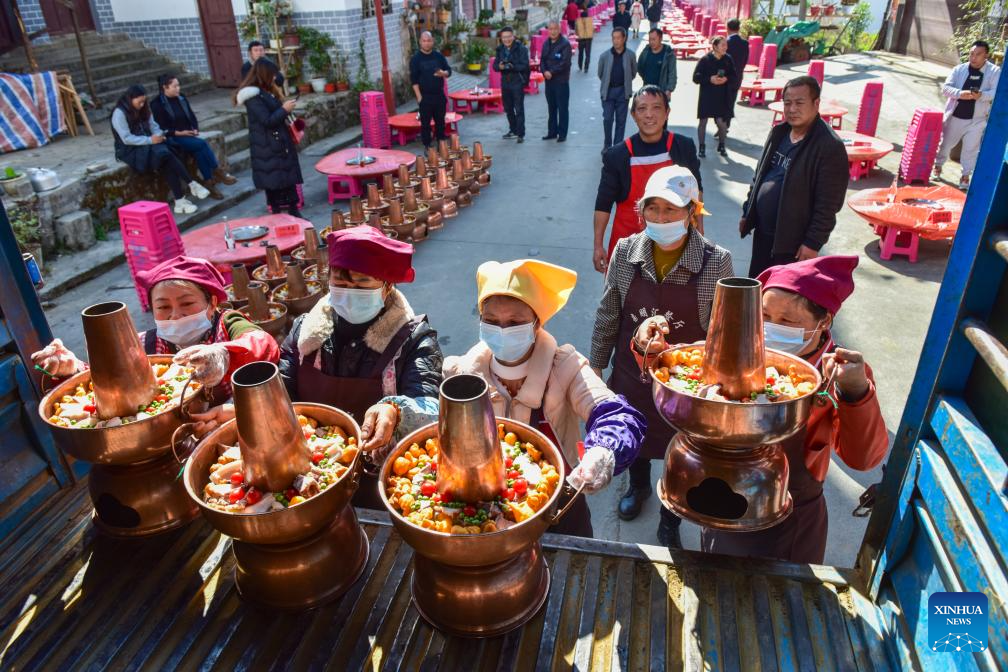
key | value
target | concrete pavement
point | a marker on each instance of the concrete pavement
(540, 204)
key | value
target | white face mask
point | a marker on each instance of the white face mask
(787, 339)
(667, 233)
(508, 345)
(184, 331)
(356, 306)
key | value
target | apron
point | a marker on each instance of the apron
(627, 220)
(577, 521)
(354, 395)
(802, 535)
(681, 307)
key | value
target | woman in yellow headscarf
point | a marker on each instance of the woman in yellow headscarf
(552, 387)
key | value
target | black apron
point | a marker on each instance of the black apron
(679, 303)
(802, 535)
(355, 396)
(577, 521)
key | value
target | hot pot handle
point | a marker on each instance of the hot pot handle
(560, 514)
(188, 427)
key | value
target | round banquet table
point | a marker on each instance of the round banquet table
(831, 112)
(931, 212)
(406, 126)
(756, 89)
(863, 152)
(346, 181)
(685, 50)
(208, 241)
(466, 101)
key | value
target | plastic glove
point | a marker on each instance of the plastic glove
(594, 471)
(57, 360)
(209, 361)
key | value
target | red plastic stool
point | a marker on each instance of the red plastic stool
(150, 236)
(817, 71)
(343, 187)
(898, 241)
(375, 129)
(871, 105)
(768, 61)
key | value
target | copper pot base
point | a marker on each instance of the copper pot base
(139, 500)
(736, 490)
(450, 210)
(481, 601)
(306, 573)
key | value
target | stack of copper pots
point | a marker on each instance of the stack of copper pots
(477, 585)
(297, 557)
(725, 468)
(133, 480)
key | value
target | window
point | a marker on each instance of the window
(369, 7)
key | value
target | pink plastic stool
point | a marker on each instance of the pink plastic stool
(817, 71)
(343, 187)
(768, 61)
(898, 241)
(871, 105)
(374, 120)
(150, 236)
(755, 50)
(494, 77)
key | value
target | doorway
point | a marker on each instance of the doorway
(58, 20)
(220, 34)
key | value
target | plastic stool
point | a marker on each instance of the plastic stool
(343, 187)
(817, 71)
(755, 50)
(375, 128)
(494, 77)
(768, 61)
(150, 236)
(871, 105)
(898, 241)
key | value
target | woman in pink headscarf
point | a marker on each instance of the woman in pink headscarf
(185, 294)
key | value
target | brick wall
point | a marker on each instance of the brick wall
(31, 14)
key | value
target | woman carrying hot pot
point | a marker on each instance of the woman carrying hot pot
(362, 348)
(669, 270)
(535, 380)
(800, 301)
(184, 295)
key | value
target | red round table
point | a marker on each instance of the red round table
(406, 126)
(831, 112)
(208, 241)
(863, 152)
(346, 181)
(466, 101)
(755, 90)
(901, 217)
(685, 50)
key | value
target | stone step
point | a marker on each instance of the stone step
(116, 84)
(239, 161)
(192, 84)
(237, 141)
(226, 123)
(69, 58)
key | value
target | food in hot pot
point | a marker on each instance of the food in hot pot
(411, 488)
(79, 411)
(684, 374)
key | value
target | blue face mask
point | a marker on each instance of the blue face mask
(184, 331)
(667, 233)
(356, 306)
(786, 339)
(508, 345)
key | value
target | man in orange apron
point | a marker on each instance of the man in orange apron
(627, 166)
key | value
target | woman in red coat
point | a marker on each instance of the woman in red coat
(800, 301)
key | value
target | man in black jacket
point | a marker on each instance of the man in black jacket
(256, 51)
(512, 61)
(555, 64)
(622, 18)
(738, 49)
(654, 12)
(428, 71)
(799, 186)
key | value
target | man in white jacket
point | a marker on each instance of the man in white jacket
(970, 89)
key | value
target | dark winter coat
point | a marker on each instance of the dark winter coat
(738, 49)
(556, 58)
(513, 64)
(353, 351)
(654, 12)
(715, 101)
(164, 114)
(622, 20)
(814, 188)
(274, 155)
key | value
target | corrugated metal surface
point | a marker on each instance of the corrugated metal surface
(72, 600)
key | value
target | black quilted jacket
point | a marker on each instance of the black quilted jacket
(274, 155)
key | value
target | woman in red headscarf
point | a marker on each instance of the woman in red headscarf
(800, 301)
(184, 295)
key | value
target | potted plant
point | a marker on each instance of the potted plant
(316, 45)
(25, 224)
(483, 22)
(475, 56)
(13, 183)
(444, 13)
(341, 70)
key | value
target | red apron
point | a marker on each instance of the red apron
(627, 220)
(681, 307)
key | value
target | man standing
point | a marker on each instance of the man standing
(627, 166)
(616, 70)
(512, 61)
(657, 63)
(799, 186)
(738, 49)
(622, 18)
(428, 70)
(257, 50)
(654, 13)
(970, 89)
(555, 64)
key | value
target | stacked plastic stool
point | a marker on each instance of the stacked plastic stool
(768, 61)
(150, 236)
(817, 71)
(494, 77)
(375, 128)
(871, 105)
(755, 50)
(921, 145)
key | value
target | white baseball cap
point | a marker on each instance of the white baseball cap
(675, 184)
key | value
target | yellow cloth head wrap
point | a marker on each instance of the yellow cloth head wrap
(544, 287)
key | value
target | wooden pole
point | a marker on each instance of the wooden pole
(386, 76)
(25, 41)
(69, 4)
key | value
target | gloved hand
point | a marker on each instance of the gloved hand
(57, 360)
(209, 361)
(594, 471)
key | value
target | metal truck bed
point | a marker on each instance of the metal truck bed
(75, 600)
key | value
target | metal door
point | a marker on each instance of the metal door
(221, 38)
